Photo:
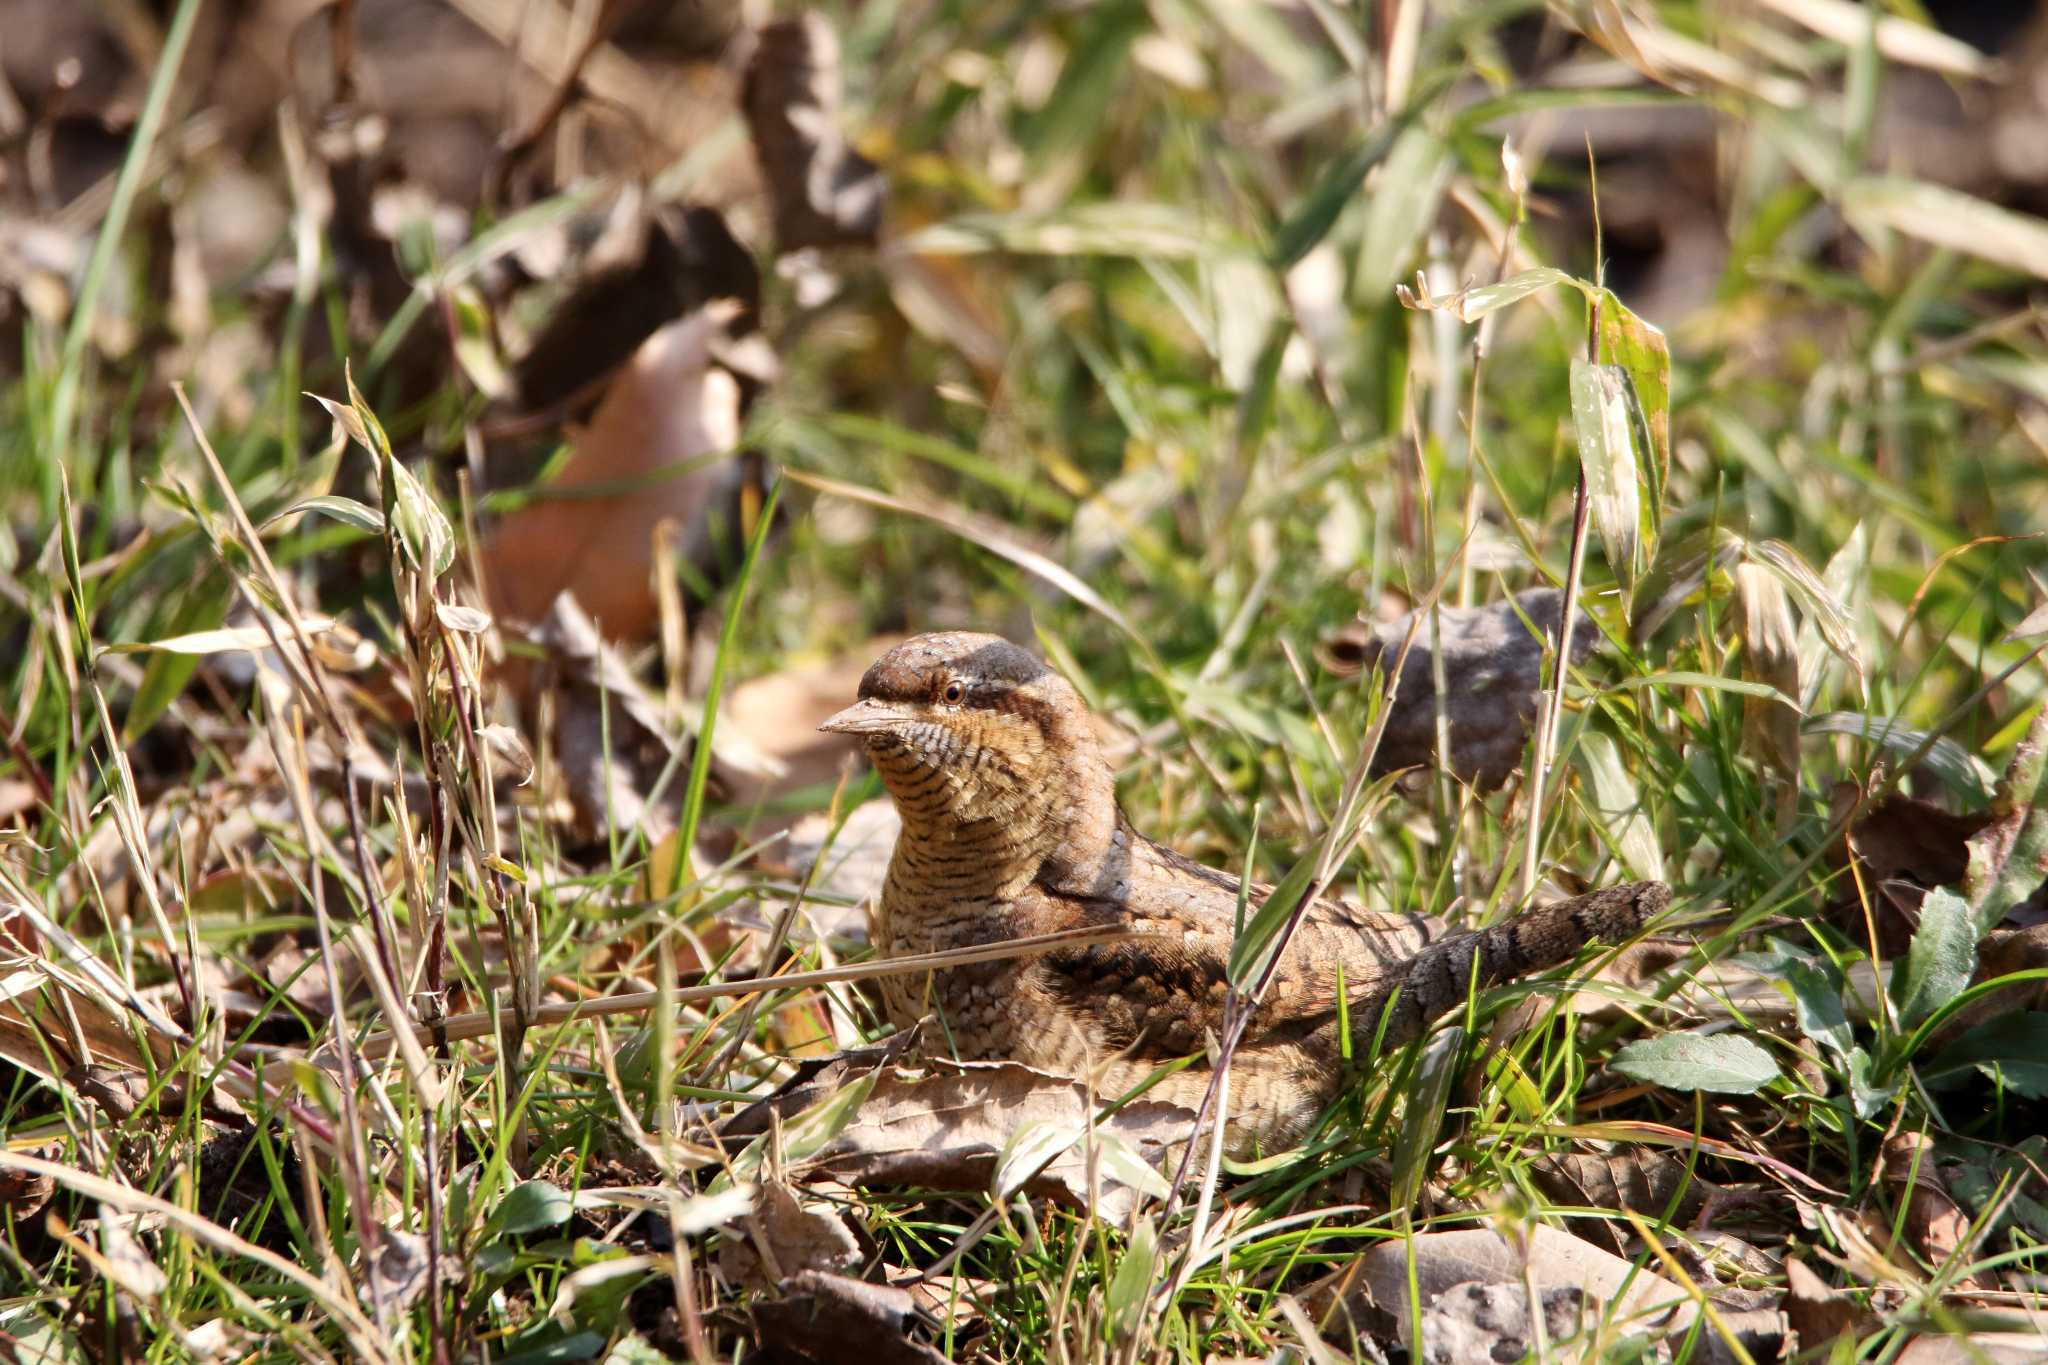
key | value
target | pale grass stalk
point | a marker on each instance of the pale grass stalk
(364, 1338)
(477, 1025)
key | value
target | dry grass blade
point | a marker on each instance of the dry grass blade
(464, 1026)
(364, 1339)
(986, 537)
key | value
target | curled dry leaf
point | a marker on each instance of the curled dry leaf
(827, 1318)
(1770, 655)
(24, 1194)
(1476, 1321)
(1643, 1180)
(1936, 1230)
(947, 1127)
(597, 694)
(1492, 669)
(824, 192)
(1377, 1282)
(658, 450)
(784, 1236)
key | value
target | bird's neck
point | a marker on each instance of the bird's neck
(1058, 831)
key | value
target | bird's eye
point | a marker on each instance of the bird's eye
(953, 693)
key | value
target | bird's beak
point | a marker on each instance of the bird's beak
(866, 717)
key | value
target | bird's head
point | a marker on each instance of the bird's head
(968, 730)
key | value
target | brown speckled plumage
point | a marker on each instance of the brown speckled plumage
(1011, 827)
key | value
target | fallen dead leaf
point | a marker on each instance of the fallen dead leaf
(1935, 1228)
(785, 1236)
(597, 696)
(1640, 1179)
(855, 865)
(824, 193)
(1492, 668)
(646, 269)
(1903, 846)
(1377, 1283)
(658, 449)
(946, 1127)
(829, 1318)
(1491, 1322)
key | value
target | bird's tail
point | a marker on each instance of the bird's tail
(1415, 993)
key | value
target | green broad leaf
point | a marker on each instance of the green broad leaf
(1402, 207)
(530, 1206)
(347, 510)
(1816, 992)
(1132, 1281)
(807, 1133)
(1607, 453)
(1313, 217)
(422, 526)
(1619, 805)
(1940, 961)
(1721, 1063)
(1817, 601)
(2012, 1049)
(1948, 218)
(1640, 349)
(1866, 1096)
(1960, 770)
(1423, 1117)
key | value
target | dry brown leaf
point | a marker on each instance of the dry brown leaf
(597, 695)
(1377, 1283)
(658, 449)
(1978, 1348)
(830, 1318)
(824, 192)
(1492, 668)
(1817, 1313)
(1641, 1179)
(946, 1126)
(1935, 1228)
(1770, 655)
(24, 1194)
(785, 1236)
(1491, 1322)
(854, 865)
(646, 270)
(1903, 845)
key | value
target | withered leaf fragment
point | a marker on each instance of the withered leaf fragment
(1492, 668)
(825, 1317)
(824, 192)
